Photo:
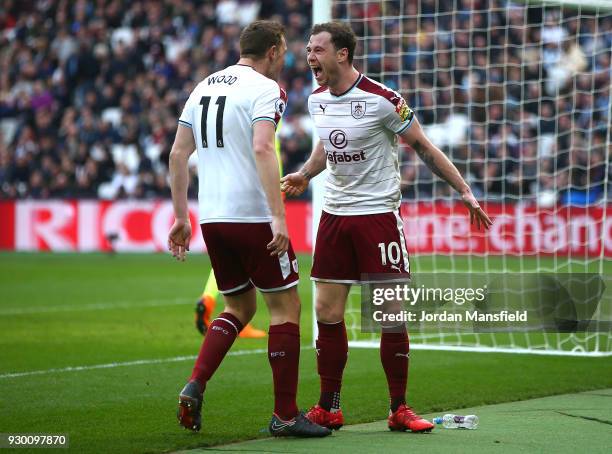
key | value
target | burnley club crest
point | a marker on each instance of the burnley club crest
(358, 109)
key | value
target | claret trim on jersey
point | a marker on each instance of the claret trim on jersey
(321, 89)
(280, 106)
(367, 84)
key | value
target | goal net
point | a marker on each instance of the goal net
(517, 94)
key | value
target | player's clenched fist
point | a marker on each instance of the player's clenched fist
(294, 184)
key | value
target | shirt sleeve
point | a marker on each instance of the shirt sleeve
(270, 105)
(395, 114)
(186, 118)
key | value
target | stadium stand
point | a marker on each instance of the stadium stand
(90, 91)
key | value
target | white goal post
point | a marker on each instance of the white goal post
(518, 94)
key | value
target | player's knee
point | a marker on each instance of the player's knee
(328, 312)
(284, 306)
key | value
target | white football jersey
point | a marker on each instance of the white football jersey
(221, 112)
(358, 130)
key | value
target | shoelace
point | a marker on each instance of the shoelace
(308, 421)
(316, 410)
(408, 413)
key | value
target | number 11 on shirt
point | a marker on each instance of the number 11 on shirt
(205, 102)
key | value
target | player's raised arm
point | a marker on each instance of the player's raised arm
(439, 164)
(267, 169)
(296, 183)
(180, 233)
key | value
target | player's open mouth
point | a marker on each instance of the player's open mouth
(317, 71)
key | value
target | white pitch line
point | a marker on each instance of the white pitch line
(93, 307)
(139, 362)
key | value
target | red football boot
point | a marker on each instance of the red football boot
(322, 417)
(405, 419)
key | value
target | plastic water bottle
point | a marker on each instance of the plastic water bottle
(451, 421)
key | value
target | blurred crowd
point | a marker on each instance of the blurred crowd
(91, 90)
(518, 96)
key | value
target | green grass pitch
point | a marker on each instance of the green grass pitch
(98, 346)
(560, 424)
